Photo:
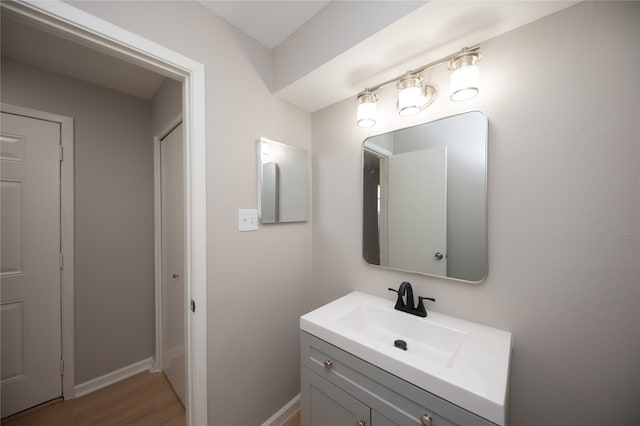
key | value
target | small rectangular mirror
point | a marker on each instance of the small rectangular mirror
(283, 182)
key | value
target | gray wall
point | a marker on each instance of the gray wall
(561, 95)
(166, 106)
(114, 290)
(259, 283)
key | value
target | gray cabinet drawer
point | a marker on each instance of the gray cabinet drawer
(393, 400)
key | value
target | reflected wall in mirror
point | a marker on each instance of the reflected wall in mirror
(425, 198)
(283, 182)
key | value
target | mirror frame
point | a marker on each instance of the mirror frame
(485, 197)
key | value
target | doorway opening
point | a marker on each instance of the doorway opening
(72, 24)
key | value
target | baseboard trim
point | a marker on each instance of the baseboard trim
(284, 413)
(115, 376)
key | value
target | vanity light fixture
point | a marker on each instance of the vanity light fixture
(414, 95)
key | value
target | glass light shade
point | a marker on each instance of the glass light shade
(366, 114)
(366, 109)
(465, 78)
(409, 101)
(411, 95)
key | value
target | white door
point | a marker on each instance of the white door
(417, 211)
(30, 262)
(173, 290)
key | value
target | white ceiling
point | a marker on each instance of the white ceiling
(268, 22)
(337, 53)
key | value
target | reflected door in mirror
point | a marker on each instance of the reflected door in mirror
(269, 200)
(415, 220)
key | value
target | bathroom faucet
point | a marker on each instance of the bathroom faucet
(404, 302)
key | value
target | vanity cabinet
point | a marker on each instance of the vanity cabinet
(340, 389)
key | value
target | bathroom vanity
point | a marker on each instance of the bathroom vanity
(453, 372)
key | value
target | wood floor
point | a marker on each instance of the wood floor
(294, 420)
(144, 399)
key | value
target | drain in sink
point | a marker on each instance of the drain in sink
(400, 344)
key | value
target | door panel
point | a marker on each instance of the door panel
(13, 331)
(29, 266)
(417, 213)
(173, 290)
(13, 246)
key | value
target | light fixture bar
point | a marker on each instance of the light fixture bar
(414, 94)
(471, 49)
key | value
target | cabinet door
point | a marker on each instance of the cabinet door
(324, 404)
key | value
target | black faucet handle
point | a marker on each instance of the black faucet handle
(420, 310)
(399, 301)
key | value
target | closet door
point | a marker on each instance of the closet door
(173, 289)
(30, 262)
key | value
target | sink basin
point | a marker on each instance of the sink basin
(425, 339)
(460, 361)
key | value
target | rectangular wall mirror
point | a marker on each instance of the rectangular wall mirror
(283, 182)
(425, 198)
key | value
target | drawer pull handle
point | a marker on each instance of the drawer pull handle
(425, 420)
(328, 364)
(361, 423)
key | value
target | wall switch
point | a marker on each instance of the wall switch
(247, 220)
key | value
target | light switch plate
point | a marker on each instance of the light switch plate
(247, 220)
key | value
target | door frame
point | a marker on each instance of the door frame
(78, 25)
(66, 238)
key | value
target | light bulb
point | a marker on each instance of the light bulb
(366, 116)
(409, 101)
(411, 95)
(465, 77)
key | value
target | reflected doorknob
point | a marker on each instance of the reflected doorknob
(438, 256)
(174, 276)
